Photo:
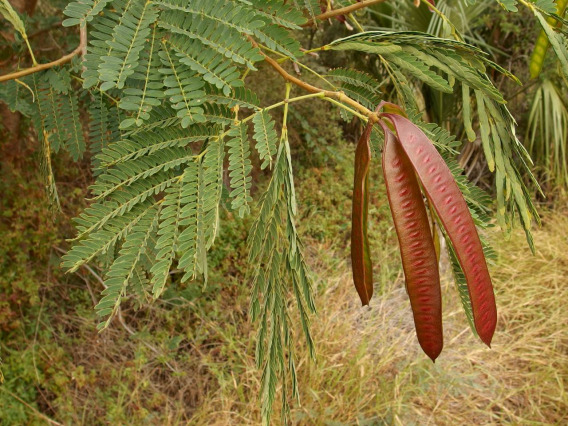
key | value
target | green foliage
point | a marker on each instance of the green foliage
(41, 123)
(9, 14)
(214, 34)
(183, 89)
(557, 41)
(312, 7)
(83, 11)
(168, 91)
(358, 85)
(278, 256)
(280, 13)
(61, 113)
(509, 5)
(240, 168)
(128, 39)
(123, 269)
(265, 137)
(179, 205)
(16, 96)
(213, 66)
(147, 142)
(140, 100)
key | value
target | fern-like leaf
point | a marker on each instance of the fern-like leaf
(184, 89)
(278, 260)
(145, 143)
(191, 217)
(213, 66)
(83, 11)
(312, 7)
(17, 97)
(123, 269)
(356, 78)
(62, 114)
(218, 113)
(179, 199)
(279, 13)
(103, 28)
(219, 37)
(240, 96)
(140, 100)
(139, 169)
(220, 13)
(74, 139)
(202, 220)
(357, 85)
(102, 240)
(277, 38)
(265, 137)
(127, 41)
(103, 125)
(240, 168)
(122, 201)
(43, 136)
(213, 179)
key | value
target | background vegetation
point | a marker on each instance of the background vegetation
(189, 357)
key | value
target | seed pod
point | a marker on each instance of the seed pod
(454, 214)
(417, 249)
(360, 254)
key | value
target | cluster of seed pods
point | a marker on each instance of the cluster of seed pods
(410, 159)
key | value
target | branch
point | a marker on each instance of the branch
(342, 11)
(80, 50)
(340, 96)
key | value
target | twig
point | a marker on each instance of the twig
(340, 96)
(80, 50)
(41, 67)
(342, 11)
(83, 40)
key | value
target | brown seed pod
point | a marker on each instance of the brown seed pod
(417, 249)
(454, 214)
(360, 254)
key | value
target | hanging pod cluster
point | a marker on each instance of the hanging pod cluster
(410, 161)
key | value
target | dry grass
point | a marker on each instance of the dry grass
(370, 368)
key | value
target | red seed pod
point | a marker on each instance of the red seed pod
(416, 245)
(454, 214)
(360, 254)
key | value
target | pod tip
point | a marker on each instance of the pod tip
(433, 351)
(486, 339)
